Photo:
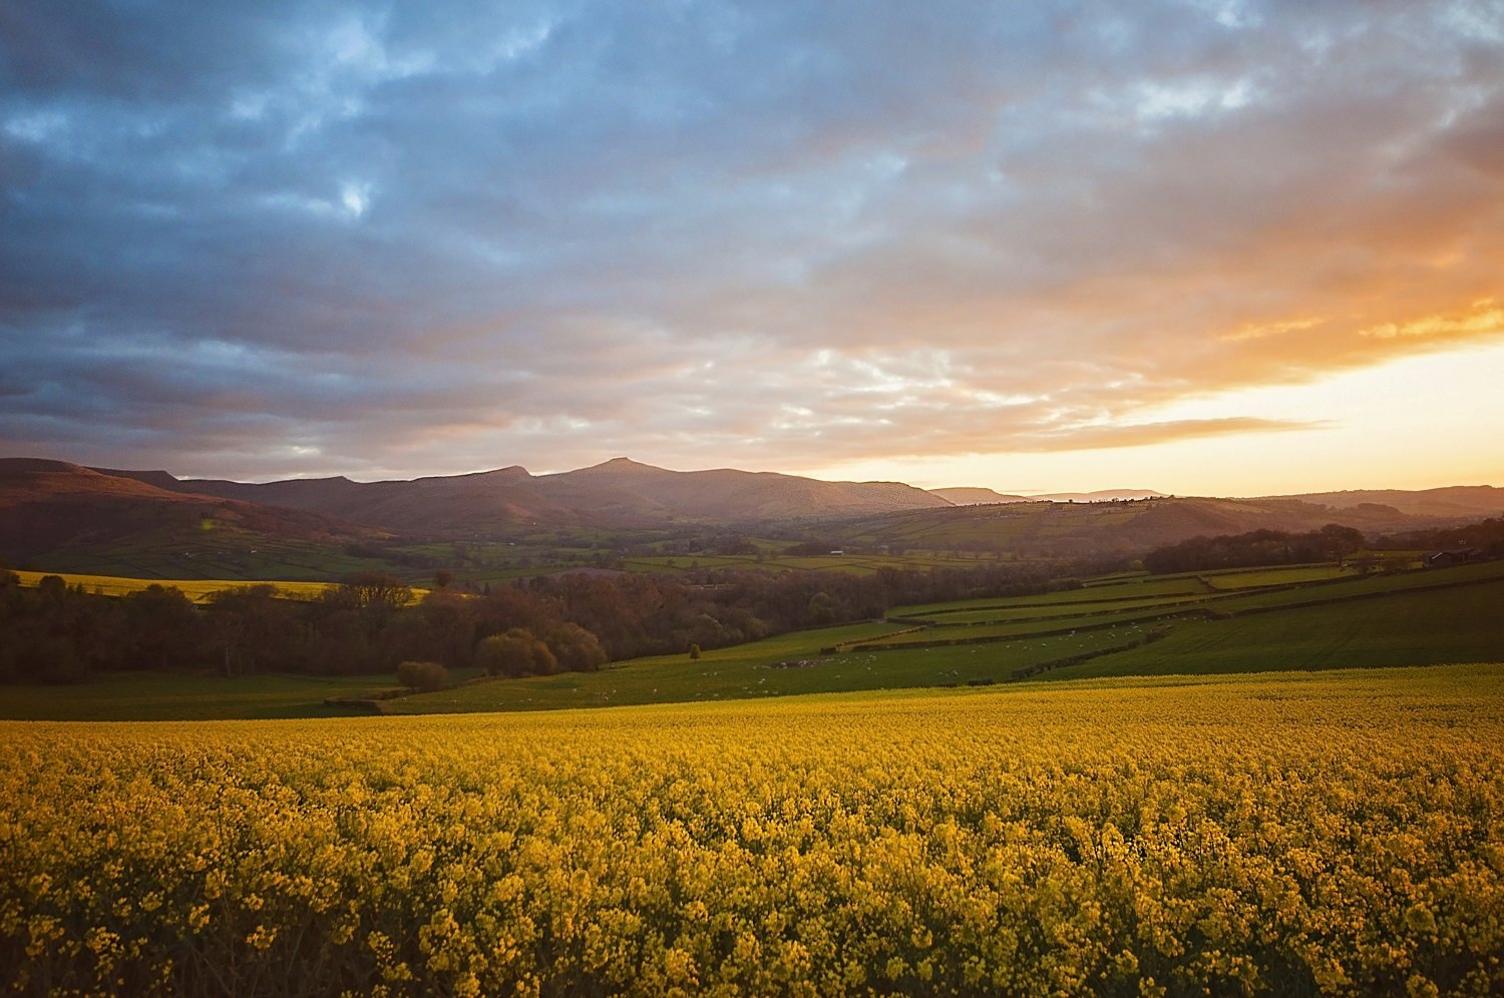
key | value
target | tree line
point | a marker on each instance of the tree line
(372, 623)
(1487, 536)
(1332, 542)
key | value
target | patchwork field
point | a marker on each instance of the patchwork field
(1133, 589)
(1333, 832)
(1416, 618)
(197, 590)
(1254, 578)
(1406, 628)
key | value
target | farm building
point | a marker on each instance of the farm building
(1458, 556)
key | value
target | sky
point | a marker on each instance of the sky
(1205, 247)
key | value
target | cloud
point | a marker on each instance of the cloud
(298, 238)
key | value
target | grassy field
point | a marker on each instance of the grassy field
(1129, 590)
(156, 696)
(1288, 834)
(1324, 621)
(1258, 589)
(1407, 628)
(1048, 611)
(754, 670)
(1366, 586)
(1279, 576)
(1052, 627)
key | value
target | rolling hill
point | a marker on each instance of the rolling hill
(50, 505)
(1451, 502)
(973, 496)
(1064, 530)
(116, 522)
(618, 493)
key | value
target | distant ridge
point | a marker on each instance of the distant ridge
(1101, 495)
(47, 505)
(972, 496)
(1448, 501)
(616, 493)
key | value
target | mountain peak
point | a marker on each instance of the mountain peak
(622, 464)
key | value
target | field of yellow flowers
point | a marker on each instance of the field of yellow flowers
(1338, 832)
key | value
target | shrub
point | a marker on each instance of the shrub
(423, 676)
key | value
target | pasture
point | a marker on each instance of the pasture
(1419, 627)
(783, 666)
(161, 696)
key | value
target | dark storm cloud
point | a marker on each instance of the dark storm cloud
(282, 238)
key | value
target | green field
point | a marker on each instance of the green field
(753, 670)
(157, 696)
(1048, 611)
(989, 633)
(1255, 578)
(1365, 586)
(1129, 590)
(1256, 592)
(1461, 624)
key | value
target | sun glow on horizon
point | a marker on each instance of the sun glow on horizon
(1402, 424)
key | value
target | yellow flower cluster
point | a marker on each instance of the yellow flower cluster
(1340, 834)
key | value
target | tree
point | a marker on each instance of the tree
(253, 629)
(442, 578)
(694, 653)
(376, 590)
(576, 649)
(516, 653)
(164, 629)
(822, 608)
(1341, 541)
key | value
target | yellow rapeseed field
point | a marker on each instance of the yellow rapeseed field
(1340, 833)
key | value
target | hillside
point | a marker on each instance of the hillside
(729, 495)
(50, 505)
(973, 496)
(1450, 502)
(618, 493)
(64, 517)
(1056, 529)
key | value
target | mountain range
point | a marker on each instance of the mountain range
(47, 504)
(617, 493)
